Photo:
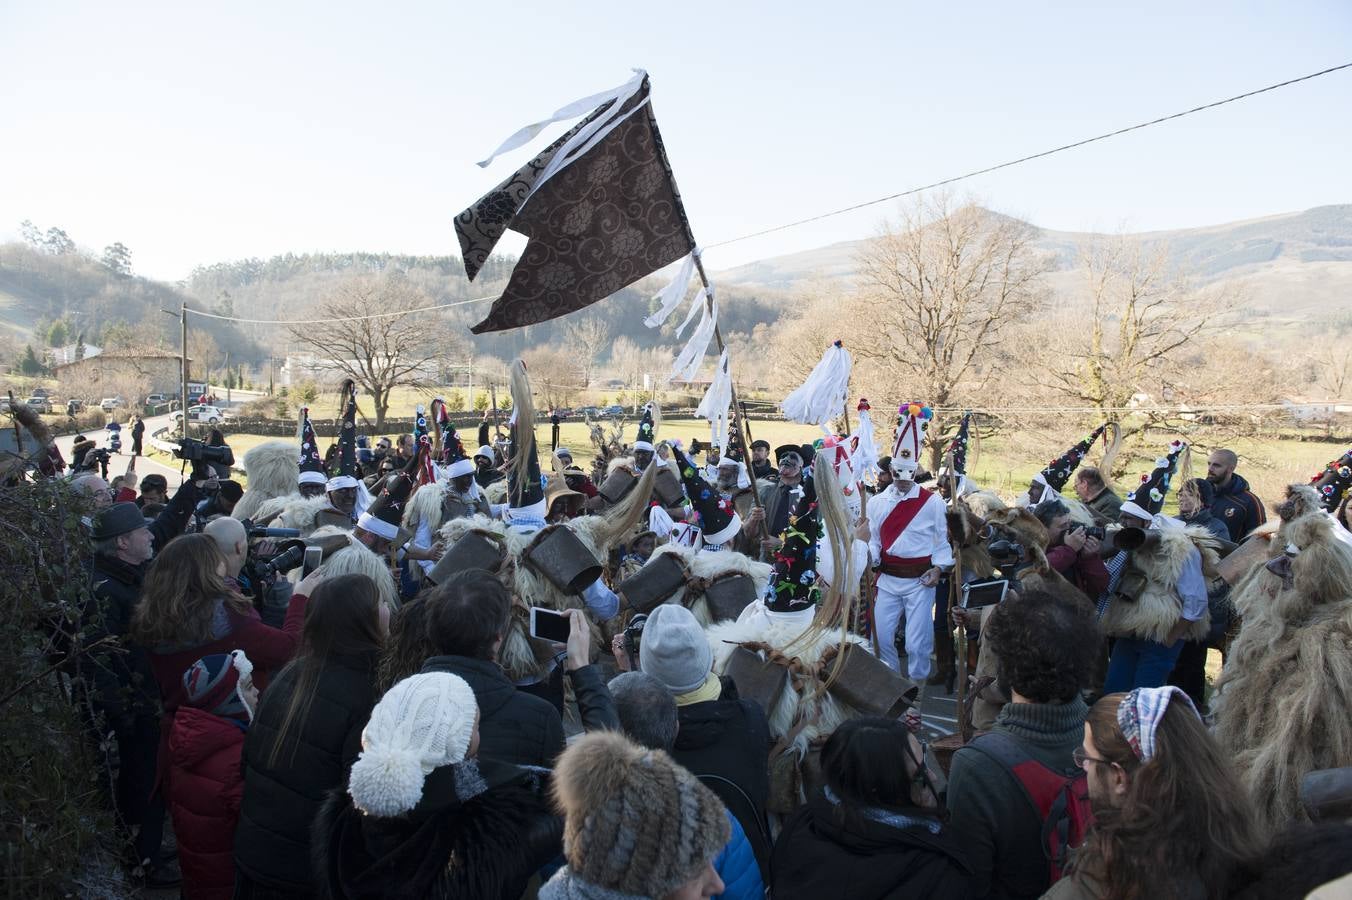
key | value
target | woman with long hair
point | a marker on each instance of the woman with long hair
(1170, 816)
(877, 829)
(188, 610)
(306, 736)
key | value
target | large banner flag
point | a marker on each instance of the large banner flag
(599, 207)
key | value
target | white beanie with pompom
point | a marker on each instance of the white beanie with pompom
(423, 722)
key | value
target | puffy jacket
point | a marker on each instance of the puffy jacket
(203, 795)
(520, 728)
(725, 743)
(885, 855)
(736, 865)
(1087, 573)
(281, 799)
(1238, 507)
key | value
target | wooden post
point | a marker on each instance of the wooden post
(183, 366)
(954, 595)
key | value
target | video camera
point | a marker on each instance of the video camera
(633, 638)
(263, 531)
(194, 451)
(288, 556)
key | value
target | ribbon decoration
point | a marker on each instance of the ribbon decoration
(822, 396)
(688, 362)
(670, 296)
(718, 400)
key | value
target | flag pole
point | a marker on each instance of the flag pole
(736, 404)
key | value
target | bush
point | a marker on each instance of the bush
(58, 836)
(308, 392)
(481, 401)
(455, 401)
(279, 406)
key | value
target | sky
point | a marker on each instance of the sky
(198, 133)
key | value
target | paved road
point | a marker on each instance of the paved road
(119, 462)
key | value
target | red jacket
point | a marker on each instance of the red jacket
(1089, 574)
(206, 782)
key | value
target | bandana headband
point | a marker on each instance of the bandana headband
(1139, 715)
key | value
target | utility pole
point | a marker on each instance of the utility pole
(183, 386)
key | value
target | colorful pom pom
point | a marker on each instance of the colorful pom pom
(913, 409)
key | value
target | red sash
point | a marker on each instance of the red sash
(901, 516)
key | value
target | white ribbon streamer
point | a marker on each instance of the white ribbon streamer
(718, 400)
(687, 364)
(822, 396)
(577, 108)
(696, 305)
(670, 296)
(865, 459)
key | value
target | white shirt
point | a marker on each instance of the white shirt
(927, 535)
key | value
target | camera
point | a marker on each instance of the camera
(263, 531)
(98, 457)
(291, 555)
(193, 450)
(633, 637)
(1004, 551)
(1092, 531)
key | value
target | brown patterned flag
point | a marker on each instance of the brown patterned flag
(600, 217)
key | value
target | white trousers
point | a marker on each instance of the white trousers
(894, 595)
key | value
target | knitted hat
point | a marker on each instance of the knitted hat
(793, 585)
(1059, 470)
(1148, 499)
(635, 822)
(1333, 482)
(647, 431)
(423, 722)
(212, 684)
(717, 517)
(312, 469)
(675, 650)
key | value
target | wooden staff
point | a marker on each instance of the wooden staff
(954, 597)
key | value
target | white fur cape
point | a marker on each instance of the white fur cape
(709, 565)
(273, 468)
(296, 512)
(357, 558)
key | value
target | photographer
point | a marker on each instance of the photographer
(1073, 548)
(270, 594)
(220, 501)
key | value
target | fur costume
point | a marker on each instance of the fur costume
(294, 511)
(1157, 609)
(273, 468)
(357, 558)
(1256, 589)
(708, 566)
(1285, 697)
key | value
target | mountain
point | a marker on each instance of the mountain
(1289, 266)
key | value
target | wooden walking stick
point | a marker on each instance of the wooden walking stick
(954, 597)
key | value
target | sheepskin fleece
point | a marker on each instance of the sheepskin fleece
(357, 558)
(426, 506)
(710, 565)
(983, 503)
(296, 511)
(496, 492)
(1156, 612)
(724, 638)
(1256, 588)
(273, 468)
(1284, 705)
(1079, 513)
(619, 462)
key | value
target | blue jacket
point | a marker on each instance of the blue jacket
(736, 865)
(1238, 507)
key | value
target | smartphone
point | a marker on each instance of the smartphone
(313, 557)
(984, 593)
(549, 625)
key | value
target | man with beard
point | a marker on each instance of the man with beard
(1168, 809)
(1234, 504)
(760, 461)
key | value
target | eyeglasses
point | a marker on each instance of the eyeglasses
(1080, 758)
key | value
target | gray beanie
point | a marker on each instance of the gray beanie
(674, 649)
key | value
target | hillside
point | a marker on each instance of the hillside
(1289, 265)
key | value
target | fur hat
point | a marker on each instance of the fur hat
(423, 722)
(635, 822)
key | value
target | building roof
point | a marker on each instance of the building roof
(124, 354)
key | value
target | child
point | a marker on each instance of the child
(205, 782)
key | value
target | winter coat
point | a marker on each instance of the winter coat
(520, 728)
(1085, 572)
(736, 866)
(484, 847)
(886, 855)
(281, 799)
(203, 796)
(1106, 507)
(726, 744)
(1238, 507)
(1205, 518)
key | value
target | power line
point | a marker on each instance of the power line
(836, 212)
(384, 315)
(1024, 159)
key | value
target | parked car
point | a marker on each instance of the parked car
(615, 410)
(588, 411)
(39, 404)
(108, 404)
(157, 399)
(42, 392)
(211, 415)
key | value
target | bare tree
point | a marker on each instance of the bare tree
(586, 339)
(1139, 322)
(379, 354)
(554, 375)
(936, 296)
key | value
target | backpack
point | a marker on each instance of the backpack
(1059, 799)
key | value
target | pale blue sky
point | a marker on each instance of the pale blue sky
(195, 135)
